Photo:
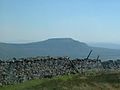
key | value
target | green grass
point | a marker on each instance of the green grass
(71, 82)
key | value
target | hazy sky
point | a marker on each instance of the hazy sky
(83, 20)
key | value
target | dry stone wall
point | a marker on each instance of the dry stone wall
(23, 69)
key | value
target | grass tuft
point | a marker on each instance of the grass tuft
(71, 82)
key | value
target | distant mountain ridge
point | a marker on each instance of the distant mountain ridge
(56, 47)
(105, 45)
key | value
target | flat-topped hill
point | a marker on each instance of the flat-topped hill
(56, 47)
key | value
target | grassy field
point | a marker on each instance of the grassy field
(71, 82)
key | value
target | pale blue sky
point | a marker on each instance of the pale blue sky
(83, 20)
